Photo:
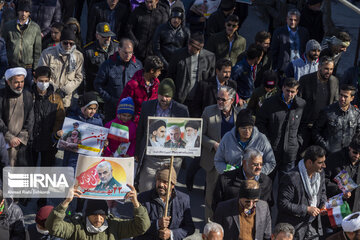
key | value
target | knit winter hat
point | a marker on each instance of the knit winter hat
(67, 34)
(227, 5)
(167, 87)
(95, 207)
(24, 6)
(245, 118)
(88, 99)
(312, 45)
(126, 105)
(43, 214)
(177, 12)
(313, 2)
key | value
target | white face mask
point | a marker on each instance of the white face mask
(42, 86)
(43, 232)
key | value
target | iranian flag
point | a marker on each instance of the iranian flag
(336, 214)
(119, 133)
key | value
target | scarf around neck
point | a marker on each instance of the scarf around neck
(311, 185)
(72, 61)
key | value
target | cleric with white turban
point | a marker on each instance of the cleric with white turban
(15, 72)
(17, 84)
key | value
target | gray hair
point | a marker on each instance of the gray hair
(251, 153)
(286, 228)
(213, 227)
(174, 127)
(294, 12)
(103, 165)
(325, 60)
(229, 90)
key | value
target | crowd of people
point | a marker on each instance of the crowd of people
(279, 122)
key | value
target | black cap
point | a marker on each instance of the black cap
(313, 2)
(24, 6)
(177, 12)
(245, 118)
(88, 98)
(95, 207)
(67, 34)
(227, 5)
(103, 29)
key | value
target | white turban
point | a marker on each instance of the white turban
(351, 223)
(14, 72)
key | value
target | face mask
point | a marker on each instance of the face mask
(42, 86)
(43, 232)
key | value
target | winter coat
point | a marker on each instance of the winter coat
(60, 77)
(313, 22)
(181, 223)
(23, 49)
(231, 152)
(141, 28)
(219, 44)
(215, 23)
(113, 144)
(12, 221)
(49, 114)
(242, 74)
(300, 67)
(136, 89)
(100, 12)
(334, 128)
(168, 39)
(76, 229)
(45, 13)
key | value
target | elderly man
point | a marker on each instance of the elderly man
(107, 180)
(283, 231)
(245, 217)
(213, 231)
(66, 63)
(218, 119)
(350, 228)
(157, 132)
(97, 223)
(163, 106)
(17, 115)
(177, 224)
(302, 195)
(113, 75)
(192, 137)
(98, 51)
(230, 152)
(228, 184)
(175, 140)
(307, 63)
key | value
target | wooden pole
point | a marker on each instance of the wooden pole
(168, 187)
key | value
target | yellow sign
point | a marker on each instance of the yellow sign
(88, 148)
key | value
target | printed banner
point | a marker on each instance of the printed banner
(344, 182)
(84, 138)
(174, 136)
(335, 201)
(104, 178)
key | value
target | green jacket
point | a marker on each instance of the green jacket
(219, 44)
(118, 228)
(23, 49)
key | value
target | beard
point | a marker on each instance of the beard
(161, 141)
(191, 138)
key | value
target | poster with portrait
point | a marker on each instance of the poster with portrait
(104, 177)
(174, 136)
(84, 138)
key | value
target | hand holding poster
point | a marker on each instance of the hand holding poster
(174, 136)
(104, 178)
(344, 181)
(82, 137)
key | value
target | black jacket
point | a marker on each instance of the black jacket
(281, 125)
(228, 186)
(45, 13)
(100, 12)
(141, 28)
(335, 128)
(215, 23)
(167, 40)
(336, 162)
(313, 22)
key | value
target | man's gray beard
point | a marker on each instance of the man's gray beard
(17, 91)
(191, 138)
(161, 141)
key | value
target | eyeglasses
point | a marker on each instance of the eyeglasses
(68, 43)
(231, 25)
(222, 99)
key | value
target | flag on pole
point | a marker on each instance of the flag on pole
(119, 133)
(337, 214)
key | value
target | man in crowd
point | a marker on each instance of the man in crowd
(114, 12)
(244, 72)
(98, 51)
(142, 24)
(216, 21)
(338, 123)
(188, 67)
(350, 228)
(318, 89)
(244, 135)
(213, 231)
(66, 63)
(177, 224)
(157, 132)
(163, 106)
(245, 217)
(17, 116)
(114, 73)
(307, 63)
(97, 223)
(23, 41)
(283, 231)
(228, 184)
(263, 39)
(302, 194)
(175, 140)
(105, 174)
(346, 159)
(279, 118)
(208, 89)
(227, 43)
(288, 42)
(217, 120)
